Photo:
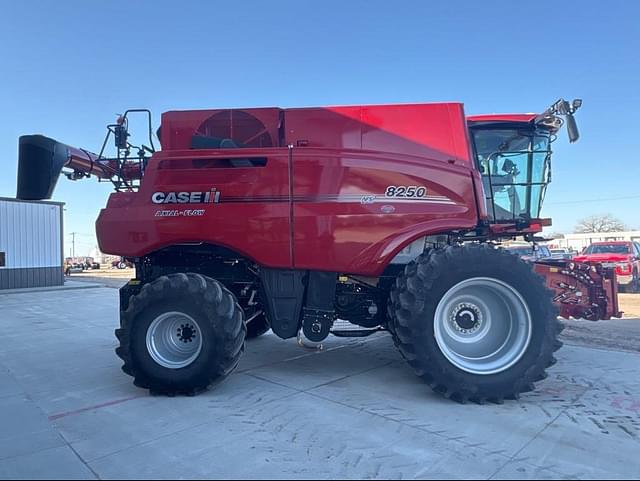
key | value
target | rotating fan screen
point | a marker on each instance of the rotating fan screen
(243, 129)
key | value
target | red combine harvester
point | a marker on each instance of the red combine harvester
(298, 220)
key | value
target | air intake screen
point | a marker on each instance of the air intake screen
(243, 129)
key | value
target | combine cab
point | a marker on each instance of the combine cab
(513, 153)
(299, 220)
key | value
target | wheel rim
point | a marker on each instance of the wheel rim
(483, 326)
(174, 340)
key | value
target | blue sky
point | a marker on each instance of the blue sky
(67, 68)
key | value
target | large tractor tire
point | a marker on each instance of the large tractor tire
(475, 322)
(181, 334)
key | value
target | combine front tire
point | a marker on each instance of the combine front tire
(180, 334)
(475, 322)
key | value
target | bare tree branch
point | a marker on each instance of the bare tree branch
(600, 223)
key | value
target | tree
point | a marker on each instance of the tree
(600, 223)
(556, 235)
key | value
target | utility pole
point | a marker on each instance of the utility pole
(73, 243)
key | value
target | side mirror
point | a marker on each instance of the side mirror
(564, 109)
(572, 128)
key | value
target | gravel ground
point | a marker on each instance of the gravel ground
(616, 334)
(630, 304)
(114, 278)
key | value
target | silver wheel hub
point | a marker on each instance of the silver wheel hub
(466, 318)
(174, 340)
(483, 326)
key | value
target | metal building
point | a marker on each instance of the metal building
(31, 244)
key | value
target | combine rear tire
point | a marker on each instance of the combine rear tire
(475, 322)
(180, 334)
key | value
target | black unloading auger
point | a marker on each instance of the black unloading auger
(40, 163)
(41, 160)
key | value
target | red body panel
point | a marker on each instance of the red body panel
(335, 230)
(258, 228)
(319, 202)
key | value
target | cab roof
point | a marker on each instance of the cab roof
(502, 118)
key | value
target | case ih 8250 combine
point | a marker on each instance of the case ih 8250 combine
(297, 220)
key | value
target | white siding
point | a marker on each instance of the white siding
(30, 234)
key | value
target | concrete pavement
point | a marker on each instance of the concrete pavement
(355, 410)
